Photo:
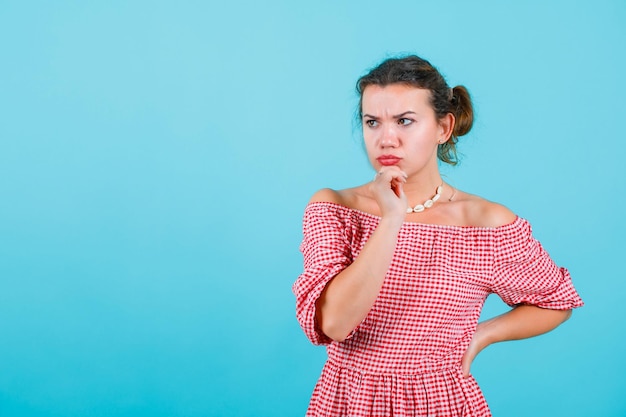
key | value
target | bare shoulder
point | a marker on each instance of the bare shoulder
(484, 213)
(326, 195)
(342, 197)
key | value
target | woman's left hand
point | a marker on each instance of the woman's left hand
(477, 344)
(519, 323)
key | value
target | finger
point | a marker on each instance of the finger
(394, 171)
(397, 185)
(391, 173)
(379, 175)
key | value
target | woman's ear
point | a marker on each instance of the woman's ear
(446, 127)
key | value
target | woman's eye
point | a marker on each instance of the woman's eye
(371, 123)
(405, 122)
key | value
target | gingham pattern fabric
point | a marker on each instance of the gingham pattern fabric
(404, 358)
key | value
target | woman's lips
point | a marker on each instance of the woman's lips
(388, 160)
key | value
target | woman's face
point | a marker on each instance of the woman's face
(400, 128)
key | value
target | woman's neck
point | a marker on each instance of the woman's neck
(418, 189)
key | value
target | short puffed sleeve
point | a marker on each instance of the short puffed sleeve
(524, 273)
(326, 252)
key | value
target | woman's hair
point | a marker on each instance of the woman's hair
(417, 72)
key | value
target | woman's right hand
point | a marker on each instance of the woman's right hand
(387, 190)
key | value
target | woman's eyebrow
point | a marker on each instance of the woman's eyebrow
(404, 114)
(395, 117)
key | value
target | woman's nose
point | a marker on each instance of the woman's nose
(389, 138)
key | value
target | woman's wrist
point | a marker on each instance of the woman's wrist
(485, 334)
(392, 221)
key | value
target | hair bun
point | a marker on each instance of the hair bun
(463, 110)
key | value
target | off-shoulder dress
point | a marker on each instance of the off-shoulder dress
(404, 358)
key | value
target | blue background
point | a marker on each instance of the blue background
(156, 158)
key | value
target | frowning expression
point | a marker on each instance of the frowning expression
(400, 127)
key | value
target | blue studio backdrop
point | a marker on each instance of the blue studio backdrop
(156, 158)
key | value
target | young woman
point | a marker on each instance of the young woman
(396, 271)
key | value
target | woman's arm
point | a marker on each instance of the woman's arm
(521, 322)
(349, 296)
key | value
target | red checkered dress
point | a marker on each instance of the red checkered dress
(404, 358)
